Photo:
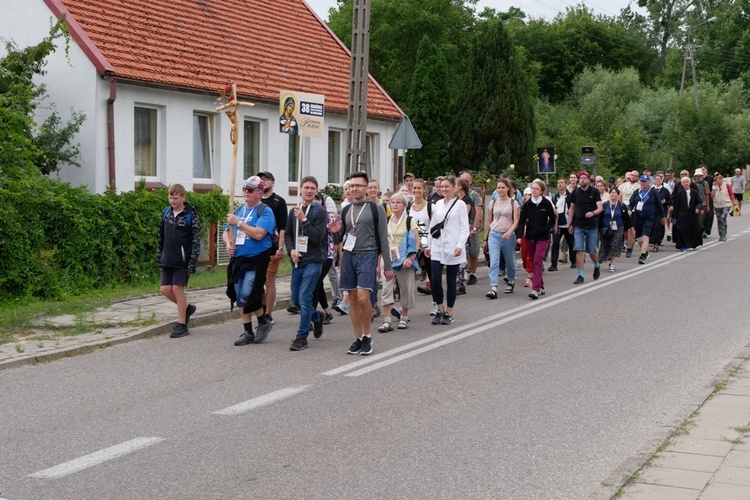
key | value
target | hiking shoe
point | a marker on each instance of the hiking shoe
(189, 312)
(293, 309)
(427, 290)
(318, 327)
(342, 308)
(245, 339)
(355, 347)
(578, 280)
(447, 319)
(395, 312)
(534, 294)
(179, 331)
(366, 347)
(298, 344)
(328, 318)
(597, 272)
(438, 318)
(434, 309)
(261, 333)
(472, 280)
(552, 268)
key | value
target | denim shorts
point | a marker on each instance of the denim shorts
(358, 271)
(585, 239)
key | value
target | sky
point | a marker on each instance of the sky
(533, 8)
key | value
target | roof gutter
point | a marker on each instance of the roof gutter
(111, 134)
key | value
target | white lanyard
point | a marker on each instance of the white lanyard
(354, 221)
(392, 227)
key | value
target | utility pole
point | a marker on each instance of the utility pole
(356, 123)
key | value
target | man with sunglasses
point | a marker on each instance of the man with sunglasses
(247, 237)
(363, 240)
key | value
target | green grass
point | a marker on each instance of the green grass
(17, 318)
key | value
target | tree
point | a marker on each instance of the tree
(494, 115)
(22, 144)
(429, 109)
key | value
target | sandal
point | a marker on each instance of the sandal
(509, 288)
(385, 327)
(492, 294)
(402, 325)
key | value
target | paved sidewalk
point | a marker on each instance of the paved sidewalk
(123, 322)
(710, 461)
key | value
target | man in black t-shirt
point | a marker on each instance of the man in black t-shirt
(278, 205)
(585, 207)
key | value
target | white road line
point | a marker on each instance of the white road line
(96, 458)
(499, 319)
(268, 399)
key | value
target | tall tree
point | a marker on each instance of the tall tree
(429, 109)
(494, 114)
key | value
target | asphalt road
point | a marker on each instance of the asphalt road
(519, 399)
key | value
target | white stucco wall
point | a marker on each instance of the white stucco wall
(73, 83)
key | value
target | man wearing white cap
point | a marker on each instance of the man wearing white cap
(247, 237)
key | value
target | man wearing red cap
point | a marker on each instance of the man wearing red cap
(585, 207)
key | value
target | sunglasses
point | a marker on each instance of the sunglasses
(248, 189)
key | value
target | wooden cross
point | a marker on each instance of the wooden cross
(230, 108)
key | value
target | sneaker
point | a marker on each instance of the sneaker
(542, 292)
(292, 309)
(179, 332)
(628, 252)
(534, 294)
(395, 312)
(245, 339)
(461, 290)
(335, 303)
(434, 310)
(611, 268)
(189, 312)
(262, 331)
(527, 283)
(447, 319)
(597, 272)
(298, 344)
(342, 308)
(438, 318)
(318, 327)
(552, 268)
(366, 347)
(472, 280)
(642, 259)
(269, 318)
(427, 290)
(510, 287)
(578, 280)
(327, 320)
(355, 347)
(492, 294)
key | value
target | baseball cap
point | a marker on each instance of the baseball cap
(255, 182)
(267, 175)
(582, 173)
(644, 178)
(409, 174)
(611, 180)
(527, 191)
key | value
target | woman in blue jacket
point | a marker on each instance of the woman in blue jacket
(614, 220)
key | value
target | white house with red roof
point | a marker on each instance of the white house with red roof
(147, 75)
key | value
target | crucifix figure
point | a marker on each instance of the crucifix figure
(230, 108)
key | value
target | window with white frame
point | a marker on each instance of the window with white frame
(334, 156)
(145, 143)
(251, 151)
(370, 148)
(203, 146)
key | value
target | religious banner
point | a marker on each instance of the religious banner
(301, 114)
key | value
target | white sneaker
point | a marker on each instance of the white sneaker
(434, 310)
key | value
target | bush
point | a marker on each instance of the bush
(57, 240)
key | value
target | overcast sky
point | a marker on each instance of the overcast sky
(533, 8)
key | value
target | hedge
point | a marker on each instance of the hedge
(58, 240)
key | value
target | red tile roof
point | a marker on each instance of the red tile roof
(262, 45)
